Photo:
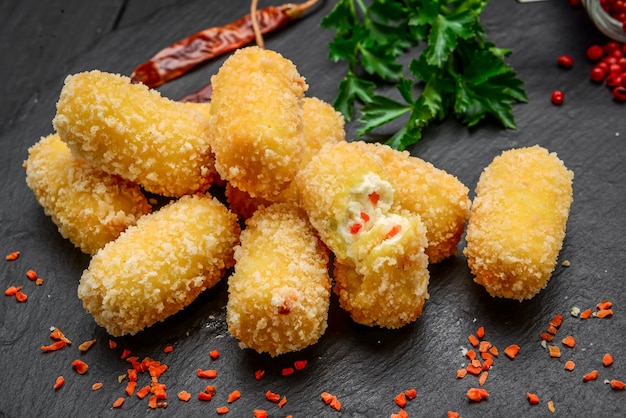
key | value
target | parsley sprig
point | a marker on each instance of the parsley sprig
(459, 72)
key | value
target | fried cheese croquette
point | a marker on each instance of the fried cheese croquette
(89, 206)
(256, 109)
(159, 266)
(321, 124)
(440, 199)
(518, 220)
(134, 132)
(382, 267)
(279, 293)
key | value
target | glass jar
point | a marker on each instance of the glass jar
(608, 25)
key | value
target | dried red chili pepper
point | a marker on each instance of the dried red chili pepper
(181, 56)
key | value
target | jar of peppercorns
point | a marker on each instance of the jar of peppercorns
(609, 16)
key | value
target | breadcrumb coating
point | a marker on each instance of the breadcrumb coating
(440, 199)
(322, 124)
(89, 206)
(256, 109)
(518, 220)
(134, 132)
(159, 266)
(279, 293)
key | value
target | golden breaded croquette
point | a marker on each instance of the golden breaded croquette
(134, 132)
(348, 198)
(517, 223)
(389, 287)
(89, 206)
(440, 199)
(159, 266)
(279, 293)
(322, 124)
(256, 109)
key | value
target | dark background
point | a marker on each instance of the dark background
(42, 42)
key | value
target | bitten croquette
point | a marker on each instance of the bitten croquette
(518, 220)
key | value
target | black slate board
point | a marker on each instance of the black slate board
(364, 367)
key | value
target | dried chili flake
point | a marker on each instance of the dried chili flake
(143, 392)
(214, 354)
(586, 314)
(552, 329)
(494, 351)
(605, 304)
(617, 384)
(39, 281)
(12, 290)
(260, 413)
(55, 346)
(152, 402)
(555, 351)
(184, 396)
(477, 394)
(483, 378)
(474, 368)
(461, 373)
(411, 393)
(259, 374)
(512, 351)
(57, 334)
(272, 397)
(32, 275)
(331, 400)
(401, 414)
(80, 366)
(21, 297)
(211, 390)
(602, 313)
(112, 344)
(125, 354)
(130, 388)
(207, 374)
(480, 332)
(233, 396)
(557, 320)
(546, 336)
(97, 386)
(400, 400)
(452, 414)
(533, 399)
(132, 375)
(607, 360)
(282, 402)
(569, 341)
(472, 340)
(484, 346)
(287, 371)
(222, 410)
(60, 381)
(86, 345)
(471, 354)
(300, 364)
(168, 349)
(12, 256)
(569, 365)
(118, 403)
(592, 375)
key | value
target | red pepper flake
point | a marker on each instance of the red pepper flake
(125, 354)
(86, 345)
(132, 375)
(282, 402)
(207, 374)
(569, 341)
(602, 313)
(477, 394)
(214, 354)
(472, 340)
(259, 374)
(300, 364)
(411, 393)
(605, 304)
(546, 336)
(452, 414)
(557, 320)
(400, 400)
(488, 361)
(272, 397)
(39, 281)
(60, 381)
(475, 367)
(401, 414)
(494, 351)
(512, 351)
(484, 346)
(80, 366)
(222, 410)
(592, 375)
(152, 402)
(586, 314)
(12, 256)
(287, 371)
(32, 275)
(260, 413)
(21, 297)
(97, 386)
(355, 228)
(617, 384)
(143, 392)
(233, 396)
(168, 349)
(118, 403)
(569, 365)
(471, 354)
(203, 396)
(331, 400)
(364, 217)
(532, 398)
(483, 378)
(480, 332)
(607, 360)
(395, 230)
(55, 346)
(57, 334)
(461, 373)
(184, 396)
(555, 351)
(12, 290)
(374, 198)
(112, 345)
